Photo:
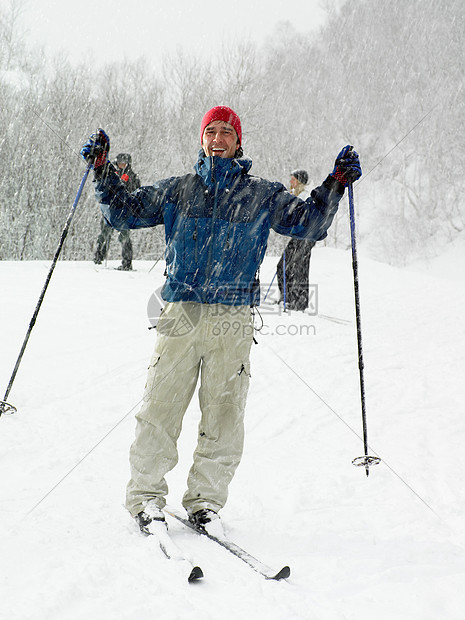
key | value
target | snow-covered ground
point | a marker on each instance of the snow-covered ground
(390, 546)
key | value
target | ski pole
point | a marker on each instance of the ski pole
(284, 281)
(154, 264)
(271, 284)
(4, 406)
(365, 460)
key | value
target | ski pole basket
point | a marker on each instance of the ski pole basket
(6, 408)
(366, 461)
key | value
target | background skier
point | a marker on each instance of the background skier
(123, 168)
(296, 256)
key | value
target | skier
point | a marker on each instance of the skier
(295, 259)
(217, 222)
(123, 169)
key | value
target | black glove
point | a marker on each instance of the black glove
(347, 168)
(95, 150)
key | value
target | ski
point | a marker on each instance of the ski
(159, 532)
(257, 565)
(335, 319)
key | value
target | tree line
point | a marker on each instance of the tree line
(385, 77)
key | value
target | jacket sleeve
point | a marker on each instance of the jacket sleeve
(125, 210)
(310, 218)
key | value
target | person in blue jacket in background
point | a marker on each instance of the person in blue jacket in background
(217, 221)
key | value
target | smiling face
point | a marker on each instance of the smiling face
(220, 139)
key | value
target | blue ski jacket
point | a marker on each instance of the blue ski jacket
(217, 222)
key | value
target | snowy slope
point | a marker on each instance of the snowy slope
(390, 546)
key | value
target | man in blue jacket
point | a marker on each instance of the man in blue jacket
(217, 222)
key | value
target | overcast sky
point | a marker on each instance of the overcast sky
(114, 29)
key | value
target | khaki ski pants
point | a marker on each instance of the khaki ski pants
(194, 339)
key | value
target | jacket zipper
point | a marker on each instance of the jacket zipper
(215, 204)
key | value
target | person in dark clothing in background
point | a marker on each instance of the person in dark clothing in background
(125, 172)
(294, 265)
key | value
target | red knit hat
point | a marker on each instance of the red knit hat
(221, 113)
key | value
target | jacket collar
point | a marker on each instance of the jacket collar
(216, 171)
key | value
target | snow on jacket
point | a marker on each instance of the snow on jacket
(217, 222)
